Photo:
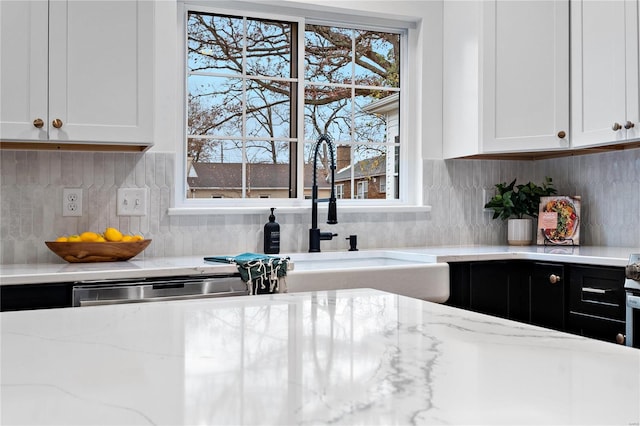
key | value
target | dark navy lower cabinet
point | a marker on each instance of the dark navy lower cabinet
(580, 299)
(35, 296)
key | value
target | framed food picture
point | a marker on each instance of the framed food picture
(559, 220)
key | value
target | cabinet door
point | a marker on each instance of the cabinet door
(604, 78)
(101, 71)
(459, 285)
(493, 286)
(526, 76)
(547, 292)
(633, 68)
(23, 69)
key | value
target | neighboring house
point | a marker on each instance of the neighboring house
(374, 177)
(264, 180)
(369, 177)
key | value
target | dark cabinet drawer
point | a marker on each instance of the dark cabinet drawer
(597, 291)
(595, 327)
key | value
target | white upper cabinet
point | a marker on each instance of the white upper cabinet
(604, 76)
(506, 77)
(23, 70)
(96, 85)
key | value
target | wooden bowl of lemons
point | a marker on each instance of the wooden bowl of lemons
(110, 246)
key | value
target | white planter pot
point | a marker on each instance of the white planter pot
(519, 232)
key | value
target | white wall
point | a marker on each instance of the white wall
(31, 182)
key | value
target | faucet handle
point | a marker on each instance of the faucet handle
(324, 236)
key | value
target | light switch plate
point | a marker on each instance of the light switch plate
(131, 202)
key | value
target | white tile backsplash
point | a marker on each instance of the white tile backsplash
(32, 182)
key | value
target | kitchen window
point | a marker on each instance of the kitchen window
(260, 90)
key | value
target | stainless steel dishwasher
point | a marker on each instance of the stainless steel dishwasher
(112, 291)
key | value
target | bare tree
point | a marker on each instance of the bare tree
(216, 44)
(344, 70)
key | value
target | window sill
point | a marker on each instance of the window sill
(192, 211)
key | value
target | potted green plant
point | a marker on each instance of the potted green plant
(519, 204)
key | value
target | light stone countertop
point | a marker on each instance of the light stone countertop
(195, 265)
(136, 268)
(336, 357)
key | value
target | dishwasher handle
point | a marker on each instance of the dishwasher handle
(167, 285)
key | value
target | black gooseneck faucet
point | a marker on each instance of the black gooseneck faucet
(315, 236)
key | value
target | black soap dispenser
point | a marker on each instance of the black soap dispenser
(272, 235)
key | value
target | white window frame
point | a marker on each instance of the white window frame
(410, 197)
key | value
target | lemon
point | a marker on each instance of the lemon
(100, 239)
(112, 234)
(62, 239)
(138, 237)
(74, 239)
(89, 236)
(127, 238)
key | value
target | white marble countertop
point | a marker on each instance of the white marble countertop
(195, 265)
(135, 268)
(339, 357)
(589, 255)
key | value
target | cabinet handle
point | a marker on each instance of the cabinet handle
(620, 338)
(562, 134)
(616, 127)
(554, 278)
(629, 125)
(594, 290)
(38, 123)
(57, 123)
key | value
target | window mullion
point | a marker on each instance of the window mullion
(243, 131)
(300, 51)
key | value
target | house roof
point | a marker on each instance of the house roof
(384, 105)
(260, 175)
(374, 166)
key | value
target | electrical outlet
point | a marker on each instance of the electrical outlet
(72, 202)
(131, 202)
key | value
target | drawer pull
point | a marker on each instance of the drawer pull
(594, 290)
(553, 279)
